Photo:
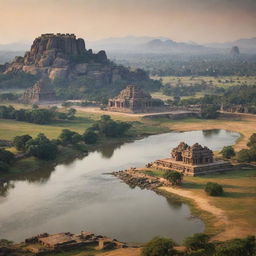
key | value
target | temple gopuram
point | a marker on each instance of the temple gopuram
(192, 161)
(134, 100)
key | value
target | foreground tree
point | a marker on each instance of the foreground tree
(159, 246)
(174, 177)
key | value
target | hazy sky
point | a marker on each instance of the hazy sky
(181, 20)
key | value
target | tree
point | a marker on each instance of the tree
(20, 142)
(42, 148)
(252, 141)
(228, 152)
(159, 246)
(198, 241)
(4, 167)
(90, 137)
(174, 177)
(237, 247)
(243, 156)
(6, 156)
(71, 113)
(209, 111)
(69, 137)
(213, 189)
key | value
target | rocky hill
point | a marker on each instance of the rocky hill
(67, 63)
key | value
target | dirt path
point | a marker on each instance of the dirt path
(230, 230)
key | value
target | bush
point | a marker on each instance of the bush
(159, 246)
(69, 137)
(237, 247)
(228, 152)
(4, 167)
(6, 156)
(213, 189)
(42, 148)
(197, 241)
(243, 155)
(90, 137)
(20, 142)
(174, 177)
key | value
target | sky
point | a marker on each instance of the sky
(200, 21)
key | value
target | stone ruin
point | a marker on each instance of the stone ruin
(40, 92)
(134, 100)
(192, 160)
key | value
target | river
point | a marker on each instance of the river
(81, 196)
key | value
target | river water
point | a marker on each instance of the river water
(81, 196)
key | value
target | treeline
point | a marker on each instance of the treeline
(200, 245)
(36, 115)
(191, 65)
(43, 148)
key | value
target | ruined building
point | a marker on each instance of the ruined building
(40, 92)
(192, 160)
(134, 100)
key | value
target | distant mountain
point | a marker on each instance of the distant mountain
(144, 44)
(245, 44)
(16, 46)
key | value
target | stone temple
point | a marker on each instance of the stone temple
(134, 100)
(192, 161)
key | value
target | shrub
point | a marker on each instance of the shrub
(174, 177)
(69, 137)
(159, 246)
(243, 155)
(6, 156)
(90, 137)
(213, 189)
(20, 142)
(197, 241)
(4, 167)
(42, 148)
(228, 152)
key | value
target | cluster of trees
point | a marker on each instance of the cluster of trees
(35, 115)
(200, 245)
(110, 128)
(187, 65)
(244, 155)
(17, 80)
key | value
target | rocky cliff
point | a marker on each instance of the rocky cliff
(64, 57)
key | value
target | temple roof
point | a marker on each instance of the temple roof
(133, 92)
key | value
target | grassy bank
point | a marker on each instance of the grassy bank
(229, 216)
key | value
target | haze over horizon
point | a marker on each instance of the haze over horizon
(201, 21)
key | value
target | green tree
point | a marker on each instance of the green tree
(69, 137)
(90, 137)
(20, 142)
(228, 152)
(252, 141)
(174, 177)
(213, 189)
(6, 156)
(209, 111)
(4, 167)
(159, 246)
(42, 148)
(243, 155)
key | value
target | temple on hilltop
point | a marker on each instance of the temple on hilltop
(192, 160)
(40, 92)
(134, 100)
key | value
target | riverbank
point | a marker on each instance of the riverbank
(227, 217)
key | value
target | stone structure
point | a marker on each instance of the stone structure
(192, 161)
(40, 92)
(234, 52)
(135, 100)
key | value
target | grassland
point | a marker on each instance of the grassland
(229, 216)
(221, 81)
